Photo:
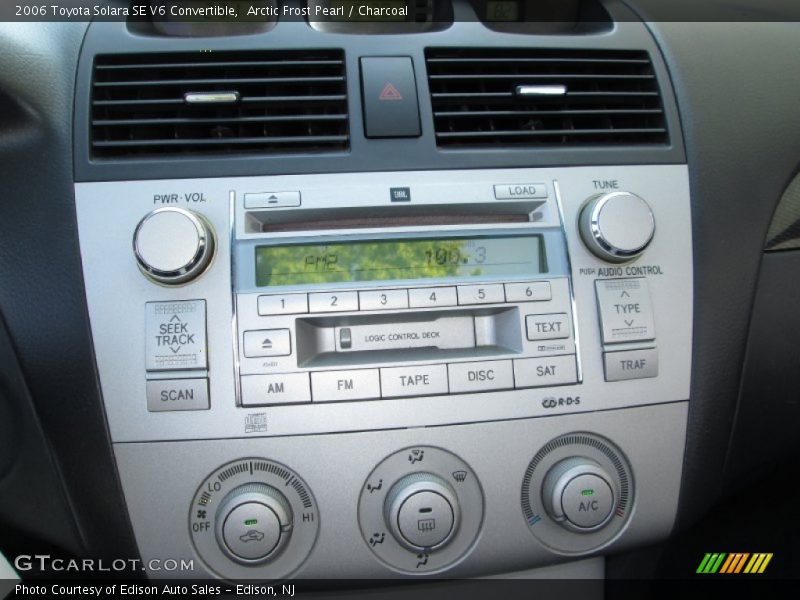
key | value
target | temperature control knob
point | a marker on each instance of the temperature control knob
(253, 523)
(173, 245)
(617, 226)
(579, 494)
(422, 511)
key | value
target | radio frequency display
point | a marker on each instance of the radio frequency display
(401, 260)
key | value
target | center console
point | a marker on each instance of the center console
(445, 372)
(370, 311)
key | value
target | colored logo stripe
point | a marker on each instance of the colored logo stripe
(721, 562)
(711, 563)
(758, 563)
(734, 563)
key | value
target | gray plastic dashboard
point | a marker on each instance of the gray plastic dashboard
(736, 175)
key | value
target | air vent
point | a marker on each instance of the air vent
(539, 97)
(219, 103)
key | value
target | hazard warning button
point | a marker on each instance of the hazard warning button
(389, 94)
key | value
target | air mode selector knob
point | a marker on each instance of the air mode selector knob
(579, 494)
(253, 523)
(616, 227)
(422, 511)
(173, 245)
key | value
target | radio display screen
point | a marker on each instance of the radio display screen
(400, 260)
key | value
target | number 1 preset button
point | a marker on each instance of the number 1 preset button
(332, 302)
(282, 304)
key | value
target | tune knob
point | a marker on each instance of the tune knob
(253, 523)
(579, 494)
(617, 226)
(173, 245)
(422, 511)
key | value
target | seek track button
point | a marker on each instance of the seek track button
(176, 335)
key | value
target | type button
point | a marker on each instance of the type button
(625, 311)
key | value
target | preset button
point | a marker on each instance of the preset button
(282, 304)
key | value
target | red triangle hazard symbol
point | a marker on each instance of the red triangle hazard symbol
(390, 92)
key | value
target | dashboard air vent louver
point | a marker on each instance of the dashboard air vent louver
(219, 103)
(544, 97)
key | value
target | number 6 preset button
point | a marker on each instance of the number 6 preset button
(332, 302)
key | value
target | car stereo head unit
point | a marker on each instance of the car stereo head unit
(338, 302)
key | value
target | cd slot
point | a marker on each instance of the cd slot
(388, 217)
(431, 335)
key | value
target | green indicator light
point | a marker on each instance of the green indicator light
(587, 492)
(251, 521)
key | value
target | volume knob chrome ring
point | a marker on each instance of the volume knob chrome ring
(173, 245)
